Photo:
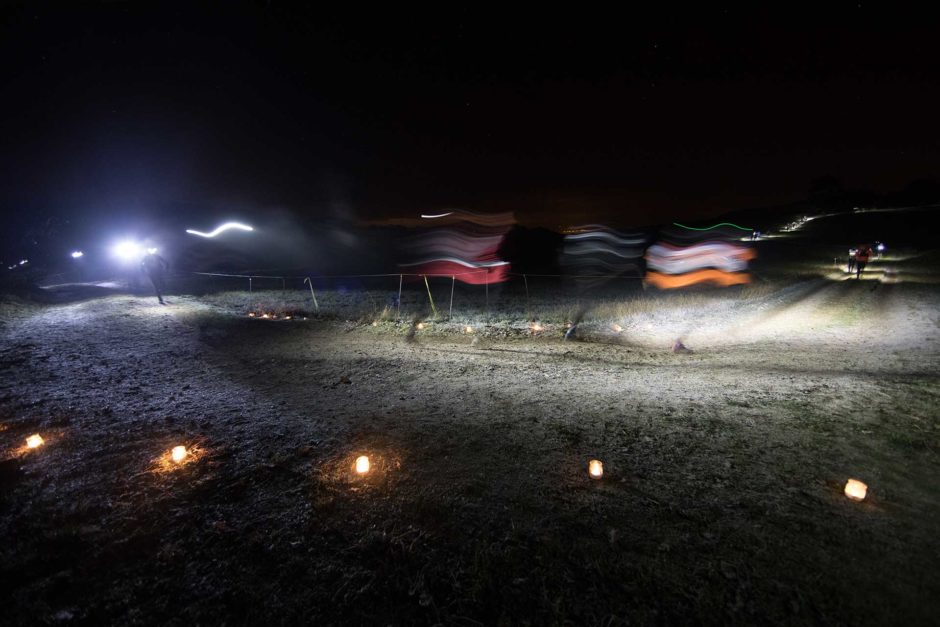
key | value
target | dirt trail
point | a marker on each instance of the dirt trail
(725, 466)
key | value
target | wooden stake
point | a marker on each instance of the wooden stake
(430, 298)
(401, 277)
(312, 295)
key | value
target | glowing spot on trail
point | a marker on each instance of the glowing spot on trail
(221, 229)
(34, 441)
(178, 453)
(856, 490)
(595, 469)
(362, 464)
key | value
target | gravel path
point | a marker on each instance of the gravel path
(721, 501)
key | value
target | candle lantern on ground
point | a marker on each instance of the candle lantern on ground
(595, 469)
(178, 453)
(856, 490)
(34, 441)
(362, 465)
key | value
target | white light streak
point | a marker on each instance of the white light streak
(438, 215)
(220, 229)
(77, 254)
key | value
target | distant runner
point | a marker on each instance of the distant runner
(862, 255)
(155, 266)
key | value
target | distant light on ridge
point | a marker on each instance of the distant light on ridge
(221, 229)
(128, 250)
(77, 254)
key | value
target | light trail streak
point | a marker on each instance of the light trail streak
(694, 228)
(220, 229)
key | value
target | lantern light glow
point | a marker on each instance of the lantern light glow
(34, 441)
(77, 254)
(362, 464)
(178, 453)
(856, 490)
(595, 469)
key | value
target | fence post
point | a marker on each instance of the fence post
(249, 285)
(401, 277)
(450, 313)
(527, 307)
(433, 308)
(487, 278)
(312, 295)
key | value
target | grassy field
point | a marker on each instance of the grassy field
(721, 500)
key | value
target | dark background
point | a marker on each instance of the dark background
(144, 117)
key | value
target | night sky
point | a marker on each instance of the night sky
(119, 110)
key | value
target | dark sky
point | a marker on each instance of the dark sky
(122, 109)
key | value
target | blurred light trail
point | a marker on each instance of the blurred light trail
(452, 242)
(595, 253)
(506, 219)
(716, 277)
(676, 260)
(709, 228)
(221, 229)
(472, 273)
(465, 246)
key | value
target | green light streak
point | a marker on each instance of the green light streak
(693, 228)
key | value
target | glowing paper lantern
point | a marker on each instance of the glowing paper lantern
(468, 330)
(34, 441)
(251, 314)
(595, 469)
(536, 327)
(420, 325)
(856, 490)
(362, 464)
(178, 453)
(616, 327)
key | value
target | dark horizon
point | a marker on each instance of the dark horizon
(123, 110)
